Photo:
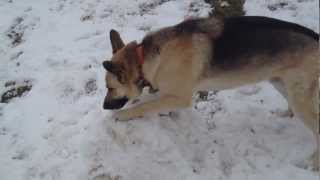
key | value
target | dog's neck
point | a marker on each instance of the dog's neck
(147, 69)
(142, 81)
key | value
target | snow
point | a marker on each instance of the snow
(59, 130)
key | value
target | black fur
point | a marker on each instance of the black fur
(248, 36)
(189, 26)
(107, 65)
(271, 23)
(150, 47)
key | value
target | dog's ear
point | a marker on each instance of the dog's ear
(114, 69)
(116, 41)
(108, 65)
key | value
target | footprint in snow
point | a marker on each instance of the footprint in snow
(249, 90)
(106, 177)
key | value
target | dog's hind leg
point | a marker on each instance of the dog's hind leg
(303, 99)
(279, 85)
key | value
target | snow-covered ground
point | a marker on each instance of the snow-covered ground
(59, 131)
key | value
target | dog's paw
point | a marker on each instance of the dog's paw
(121, 115)
(124, 115)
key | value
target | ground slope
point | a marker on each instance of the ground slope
(58, 130)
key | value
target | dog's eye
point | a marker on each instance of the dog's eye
(110, 89)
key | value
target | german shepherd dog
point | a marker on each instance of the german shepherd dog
(218, 54)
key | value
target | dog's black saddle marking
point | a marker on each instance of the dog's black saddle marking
(246, 37)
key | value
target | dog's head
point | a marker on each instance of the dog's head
(122, 73)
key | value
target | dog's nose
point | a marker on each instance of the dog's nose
(115, 103)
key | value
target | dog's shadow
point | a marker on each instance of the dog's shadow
(189, 132)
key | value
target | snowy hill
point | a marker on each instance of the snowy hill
(57, 129)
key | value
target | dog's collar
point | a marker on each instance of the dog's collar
(142, 81)
(140, 55)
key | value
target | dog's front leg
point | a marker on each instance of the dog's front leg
(166, 102)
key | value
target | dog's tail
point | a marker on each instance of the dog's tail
(210, 26)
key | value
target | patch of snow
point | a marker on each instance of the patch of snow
(59, 130)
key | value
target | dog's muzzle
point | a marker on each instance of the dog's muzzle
(115, 103)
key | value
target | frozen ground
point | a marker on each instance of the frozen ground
(58, 130)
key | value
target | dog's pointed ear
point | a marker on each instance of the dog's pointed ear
(114, 69)
(108, 66)
(116, 41)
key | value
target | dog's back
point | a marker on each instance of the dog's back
(236, 40)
